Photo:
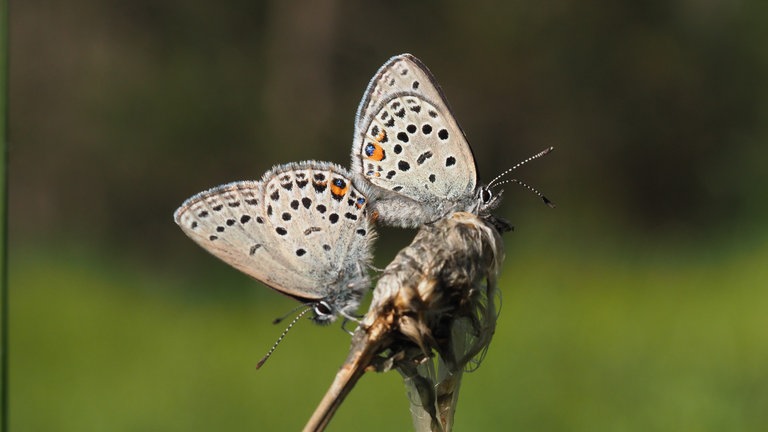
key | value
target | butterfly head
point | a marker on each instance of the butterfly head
(487, 200)
(342, 300)
(484, 201)
(324, 312)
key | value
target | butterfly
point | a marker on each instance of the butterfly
(409, 147)
(303, 229)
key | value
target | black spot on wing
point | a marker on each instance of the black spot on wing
(423, 157)
(320, 187)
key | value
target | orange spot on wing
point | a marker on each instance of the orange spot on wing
(378, 152)
(339, 191)
(380, 137)
(374, 150)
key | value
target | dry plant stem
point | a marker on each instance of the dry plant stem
(432, 314)
(365, 346)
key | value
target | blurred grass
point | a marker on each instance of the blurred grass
(644, 312)
(654, 339)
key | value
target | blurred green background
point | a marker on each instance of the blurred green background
(639, 304)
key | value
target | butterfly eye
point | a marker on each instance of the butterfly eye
(486, 195)
(322, 308)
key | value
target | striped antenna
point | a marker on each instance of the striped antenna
(546, 200)
(280, 339)
(519, 164)
(290, 312)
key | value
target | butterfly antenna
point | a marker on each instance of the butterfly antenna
(279, 319)
(280, 339)
(521, 163)
(546, 200)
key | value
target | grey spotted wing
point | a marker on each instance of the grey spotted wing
(269, 231)
(229, 221)
(407, 139)
(321, 221)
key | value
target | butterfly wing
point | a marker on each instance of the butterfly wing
(407, 140)
(320, 218)
(280, 230)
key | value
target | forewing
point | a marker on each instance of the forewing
(407, 139)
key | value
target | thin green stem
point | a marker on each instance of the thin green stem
(4, 215)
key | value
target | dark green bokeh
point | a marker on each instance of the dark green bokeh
(638, 304)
